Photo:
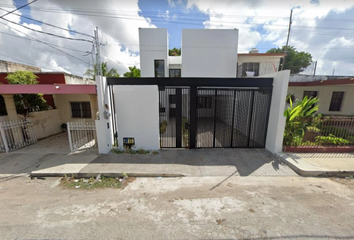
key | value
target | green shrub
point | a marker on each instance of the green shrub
(331, 140)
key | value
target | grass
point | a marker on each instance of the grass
(103, 182)
(131, 151)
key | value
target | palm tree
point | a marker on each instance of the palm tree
(91, 73)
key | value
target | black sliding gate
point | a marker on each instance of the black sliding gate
(232, 117)
(210, 112)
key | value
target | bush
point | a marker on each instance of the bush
(331, 140)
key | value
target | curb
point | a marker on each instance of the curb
(89, 175)
(309, 173)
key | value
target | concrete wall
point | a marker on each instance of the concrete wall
(209, 52)
(324, 93)
(46, 123)
(6, 66)
(276, 125)
(153, 46)
(72, 79)
(62, 102)
(3, 118)
(138, 115)
(175, 62)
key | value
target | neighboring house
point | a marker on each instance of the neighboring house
(258, 64)
(336, 95)
(70, 97)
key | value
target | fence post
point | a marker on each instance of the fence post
(4, 138)
(69, 135)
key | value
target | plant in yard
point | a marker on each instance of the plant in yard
(26, 103)
(331, 140)
(297, 119)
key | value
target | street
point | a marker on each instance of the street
(282, 207)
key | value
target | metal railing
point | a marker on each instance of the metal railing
(320, 131)
(82, 136)
(16, 134)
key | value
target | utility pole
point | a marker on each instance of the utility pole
(287, 40)
(314, 72)
(98, 54)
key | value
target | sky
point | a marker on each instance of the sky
(323, 28)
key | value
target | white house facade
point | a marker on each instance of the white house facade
(194, 100)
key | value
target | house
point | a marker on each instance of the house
(336, 94)
(71, 98)
(194, 100)
(258, 64)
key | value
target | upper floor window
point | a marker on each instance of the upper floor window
(250, 67)
(336, 101)
(80, 109)
(310, 94)
(175, 73)
(159, 68)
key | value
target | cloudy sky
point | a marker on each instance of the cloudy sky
(322, 27)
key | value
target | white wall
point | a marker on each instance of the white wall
(138, 115)
(153, 44)
(175, 62)
(276, 124)
(324, 93)
(209, 52)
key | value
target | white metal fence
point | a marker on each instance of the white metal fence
(16, 134)
(82, 136)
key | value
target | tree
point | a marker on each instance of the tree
(294, 61)
(133, 72)
(91, 73)
(174, 52)
(26, 103)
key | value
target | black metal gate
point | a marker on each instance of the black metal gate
(210, 112)
(232, 117)
(174, 105)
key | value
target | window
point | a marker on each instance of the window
(172, 99)
(250, 67)
(310, 94)
(159, 68)
(336, 101)
(175, 73)
(80, 109)
(204, 102)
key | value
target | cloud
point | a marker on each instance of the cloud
(118, 22)
(315, 26)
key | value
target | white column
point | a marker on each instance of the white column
(276, 124)
(103, 126)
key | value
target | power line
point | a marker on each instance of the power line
(46, 44)
(51, 34)
(17, 9)
(13, 35)
(48, 24)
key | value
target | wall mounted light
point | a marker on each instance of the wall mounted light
(57, 87)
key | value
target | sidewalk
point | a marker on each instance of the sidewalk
(168, 163)
(320, 164)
